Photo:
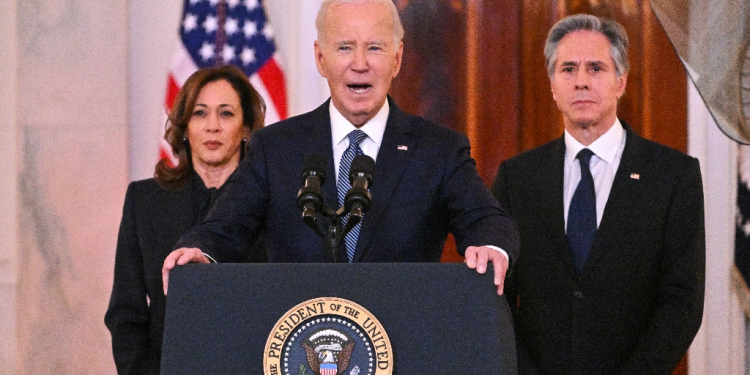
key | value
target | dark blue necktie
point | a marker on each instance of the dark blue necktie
(582, 214)
(343, 185)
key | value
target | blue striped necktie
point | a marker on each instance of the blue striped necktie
(582, 214)
(343, 185)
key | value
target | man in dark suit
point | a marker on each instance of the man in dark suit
(611, 277)
(425, 181)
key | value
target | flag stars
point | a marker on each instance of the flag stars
(268, 31)
(211, 24)
(228, 53)
(231, 26)
(206, 51)
(741, 223)
(248, 56)
(248, 35)
(251, 4)
(746, 229)
(190, 22)
(250, 29)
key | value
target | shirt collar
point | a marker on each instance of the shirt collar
(605, 147)
(341, 127)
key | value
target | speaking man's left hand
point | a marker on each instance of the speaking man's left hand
(478, 257)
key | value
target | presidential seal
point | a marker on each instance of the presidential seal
(328, 336)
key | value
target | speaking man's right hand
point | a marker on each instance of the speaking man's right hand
(180, 257)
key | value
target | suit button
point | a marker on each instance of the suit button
(577, 295)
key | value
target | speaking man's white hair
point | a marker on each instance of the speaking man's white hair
(320, 21)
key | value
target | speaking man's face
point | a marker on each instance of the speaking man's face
(585, 84)
(359, 57)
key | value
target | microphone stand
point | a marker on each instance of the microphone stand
(356, 203)
(335, 232)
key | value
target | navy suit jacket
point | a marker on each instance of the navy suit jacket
(425, 185)
(638, 302)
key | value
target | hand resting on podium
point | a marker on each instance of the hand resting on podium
(476, 258)
(181, 257)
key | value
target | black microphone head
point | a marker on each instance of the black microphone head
(362, 165)
(314, 164)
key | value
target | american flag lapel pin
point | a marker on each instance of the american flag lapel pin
(635, 176)
(403, 148)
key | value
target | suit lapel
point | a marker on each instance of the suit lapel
(552, 179)
(315, 137)
(623, 198)
(393, 157)
(320, 136)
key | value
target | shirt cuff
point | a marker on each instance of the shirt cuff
(212, 260)
(501, 252)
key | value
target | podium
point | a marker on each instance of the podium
(440, 318)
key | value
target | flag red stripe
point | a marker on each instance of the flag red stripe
(172, 89)
(273, 78)
(166, 154)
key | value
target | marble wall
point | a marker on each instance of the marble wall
(72, 137)
(8, 183)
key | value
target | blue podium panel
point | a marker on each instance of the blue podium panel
(440, 318)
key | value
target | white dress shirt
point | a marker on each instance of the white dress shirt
(607, 151)
(341, 127)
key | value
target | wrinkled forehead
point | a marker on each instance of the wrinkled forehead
(583, 47)
(358, 22)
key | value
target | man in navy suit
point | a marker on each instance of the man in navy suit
(425, 181)
(611, 280)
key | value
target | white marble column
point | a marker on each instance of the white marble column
(718, 347)
(72, 122)
(8, 183)
(294, 26)
(154, 29)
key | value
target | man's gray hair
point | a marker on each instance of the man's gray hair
(613, 31)
(398, 28)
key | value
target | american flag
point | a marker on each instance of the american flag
(222, 32)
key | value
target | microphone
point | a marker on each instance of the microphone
(358, 198)
(309, 198)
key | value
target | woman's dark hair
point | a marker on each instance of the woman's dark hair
(171, 177)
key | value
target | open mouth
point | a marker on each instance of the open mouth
(359, 88)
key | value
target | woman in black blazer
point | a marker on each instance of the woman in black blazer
(207, 128)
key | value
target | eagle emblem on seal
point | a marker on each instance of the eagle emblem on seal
(328, 351)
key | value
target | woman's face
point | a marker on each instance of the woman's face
(215, 130)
